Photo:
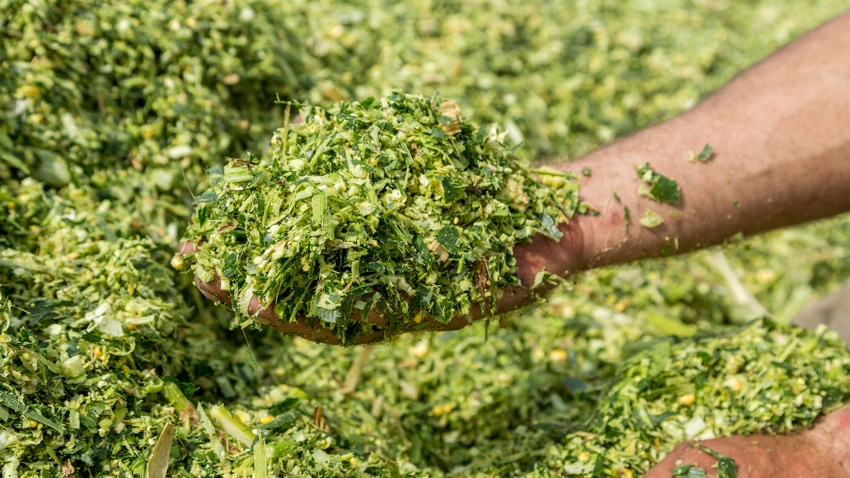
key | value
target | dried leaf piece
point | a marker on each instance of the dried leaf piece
(158, 462)
(319, 420)
(68, 469)
(449, 113)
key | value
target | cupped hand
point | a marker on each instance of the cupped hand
(558, 257)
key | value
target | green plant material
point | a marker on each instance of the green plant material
(399, 200)
(651, 219)
(232, 426)
(725, 466)
(658, 187)
(689, 471)
(136, 81)
(763, 378)
(261, 461)
(11, 401)
(670, 326)
(703, 155)
(175, 397)
(158, 462)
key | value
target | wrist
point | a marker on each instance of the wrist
(562, 258)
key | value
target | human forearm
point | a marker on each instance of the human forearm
(781, 136)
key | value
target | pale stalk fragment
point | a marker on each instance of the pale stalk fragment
(158, 462)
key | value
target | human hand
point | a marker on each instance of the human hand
(822, 451)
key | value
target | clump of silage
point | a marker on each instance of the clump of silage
(398, 207)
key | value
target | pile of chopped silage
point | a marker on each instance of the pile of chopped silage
(109, 115)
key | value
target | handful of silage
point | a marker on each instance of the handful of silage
(395, 205)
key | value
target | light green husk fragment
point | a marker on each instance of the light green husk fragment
(651, 219)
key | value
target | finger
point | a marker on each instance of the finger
(212, 290)
(433, 325)
(186, 248)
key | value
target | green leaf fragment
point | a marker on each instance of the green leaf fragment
(249, 354)
(658, 187)
(665, 190)
(726, 467)
(449, 237)
(282, 422)
(689, 471)
(703, 155)
(11, 401)
(550, 228)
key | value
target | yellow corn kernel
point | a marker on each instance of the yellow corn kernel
(687, 399)
(734, 384)
(558, 355)
(419, 350)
